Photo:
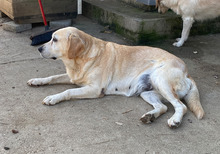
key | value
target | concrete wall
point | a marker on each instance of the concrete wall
(139, 5)
(132, 2)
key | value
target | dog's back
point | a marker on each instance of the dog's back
(206, 9)
(198, 9)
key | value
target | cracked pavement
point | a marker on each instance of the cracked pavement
(106, 125)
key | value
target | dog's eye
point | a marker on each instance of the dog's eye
(54, 39)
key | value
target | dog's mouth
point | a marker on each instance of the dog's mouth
(47, 57)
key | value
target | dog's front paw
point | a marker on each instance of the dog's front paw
(178, 44)
(35, 82)
(51, 100)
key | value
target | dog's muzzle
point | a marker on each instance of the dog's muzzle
(41, 49)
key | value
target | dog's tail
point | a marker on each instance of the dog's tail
(193, 101)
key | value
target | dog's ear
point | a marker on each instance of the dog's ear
(76, 46)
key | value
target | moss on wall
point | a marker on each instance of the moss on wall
(149, 37)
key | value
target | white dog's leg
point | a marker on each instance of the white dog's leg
(83, 92)
(187, 24)
(180, 108)
(153, 98)
(164, 88)
(56, 79)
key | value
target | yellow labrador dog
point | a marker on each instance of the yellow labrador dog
(190, 10)
(105, 68)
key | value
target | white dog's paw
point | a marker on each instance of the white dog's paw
(35, 82)
(178, 44)
(148, 118)
(51, 100)
(174, 123)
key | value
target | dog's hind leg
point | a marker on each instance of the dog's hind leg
(170, 95)
(170, 87)
(153, 98)
(187, 24)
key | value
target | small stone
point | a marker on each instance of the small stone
(195, 52)
(6, 148)
(119, 123)
(216, 76)
(14, 131)
(189, 120)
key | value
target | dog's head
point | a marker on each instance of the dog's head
(161, 6)
(65, 43)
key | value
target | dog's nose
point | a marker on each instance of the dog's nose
(40, 49)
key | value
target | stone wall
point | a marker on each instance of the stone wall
(139, 5)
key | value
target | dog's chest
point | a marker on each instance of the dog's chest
(76, 77)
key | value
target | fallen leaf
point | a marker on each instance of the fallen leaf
(127, 111)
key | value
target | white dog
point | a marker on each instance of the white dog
(190, 10)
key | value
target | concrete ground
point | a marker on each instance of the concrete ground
(107, 125)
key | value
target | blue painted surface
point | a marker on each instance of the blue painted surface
(147, 2)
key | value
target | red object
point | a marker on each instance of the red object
(42, 12)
